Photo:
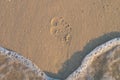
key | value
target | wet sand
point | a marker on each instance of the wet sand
(56, 35)
(103, 63)
(103, 67)
(99, 61)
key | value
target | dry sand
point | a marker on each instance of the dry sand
(57, 34)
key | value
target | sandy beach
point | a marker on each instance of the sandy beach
(57, 34)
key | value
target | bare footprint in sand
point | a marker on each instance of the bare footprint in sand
(61, 30)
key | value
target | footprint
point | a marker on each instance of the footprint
(61, 30)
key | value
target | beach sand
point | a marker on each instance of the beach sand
(57, 34)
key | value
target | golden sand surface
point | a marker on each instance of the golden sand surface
(57, 34)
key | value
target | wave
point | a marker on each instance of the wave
(91, 65)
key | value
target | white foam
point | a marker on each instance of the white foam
(77, 73)
(89, 58)
(23, 60)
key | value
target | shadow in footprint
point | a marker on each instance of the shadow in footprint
(74, 62)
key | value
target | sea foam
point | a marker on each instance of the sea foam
(77, 73)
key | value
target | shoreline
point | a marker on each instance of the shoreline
(24, 61)
(94, 53)
(85, 63)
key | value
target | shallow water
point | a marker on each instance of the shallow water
(14, 70)
(104, 67)
(103, 63)
(97, 63)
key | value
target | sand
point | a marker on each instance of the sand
(27, 27)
